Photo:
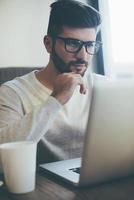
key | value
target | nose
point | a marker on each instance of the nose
(82, 54)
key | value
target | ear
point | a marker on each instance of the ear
(48, 43)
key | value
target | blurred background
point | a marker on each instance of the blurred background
(23, 24)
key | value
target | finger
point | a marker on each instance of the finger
(80, 81)
(83, 89)
(83, 86)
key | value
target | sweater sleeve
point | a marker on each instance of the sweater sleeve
(17, 126)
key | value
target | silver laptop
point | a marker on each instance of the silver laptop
(108, 151)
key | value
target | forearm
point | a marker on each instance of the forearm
(31, 126)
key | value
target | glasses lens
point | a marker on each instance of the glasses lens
(93, 47)
(72, 45)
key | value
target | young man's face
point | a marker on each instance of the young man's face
(73, 57)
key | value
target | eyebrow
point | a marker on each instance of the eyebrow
(69, 38)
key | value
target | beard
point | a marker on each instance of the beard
(63, 67)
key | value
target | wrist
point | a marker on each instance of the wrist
(59, 98)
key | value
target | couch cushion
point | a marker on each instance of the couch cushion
(9, 73)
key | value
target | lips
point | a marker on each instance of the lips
(79, 65)
(78, 68)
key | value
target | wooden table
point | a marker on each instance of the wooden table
(47, 188)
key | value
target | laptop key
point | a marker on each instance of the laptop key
(76, 170)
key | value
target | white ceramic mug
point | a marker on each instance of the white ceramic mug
(19, 165)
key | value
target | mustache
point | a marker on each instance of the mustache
(78, 62)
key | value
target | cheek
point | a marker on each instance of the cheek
(89, 58)
(67, 57)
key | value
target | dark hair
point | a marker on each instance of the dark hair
(71, 13)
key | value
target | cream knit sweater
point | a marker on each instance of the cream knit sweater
(28, 112)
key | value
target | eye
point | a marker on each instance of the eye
(91, 44)
(73, 43)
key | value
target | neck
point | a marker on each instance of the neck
(47, 75)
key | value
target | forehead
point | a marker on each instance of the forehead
(85, 34)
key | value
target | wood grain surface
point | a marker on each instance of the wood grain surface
(49, 188)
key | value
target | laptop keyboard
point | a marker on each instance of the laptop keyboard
(76, 170)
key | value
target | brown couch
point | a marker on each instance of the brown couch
(8, 73)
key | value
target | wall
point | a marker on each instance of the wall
(23, 24)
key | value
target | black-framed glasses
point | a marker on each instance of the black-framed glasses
(74, 45)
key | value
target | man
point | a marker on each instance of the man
(51, 105)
